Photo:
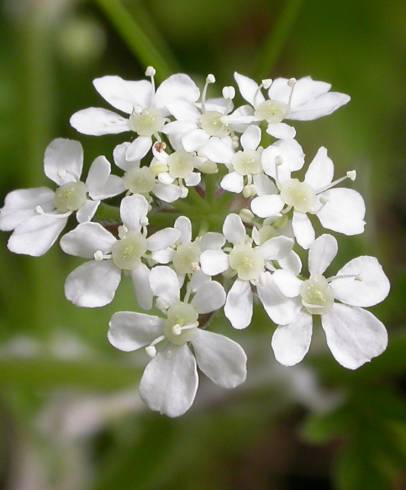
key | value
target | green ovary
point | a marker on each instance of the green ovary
(70, 197)
(186, 258)
(247, 262)
(180, 315)
(247, 162)
(317, 296)
(272, 111)
(139, 180)
(299, 195)
(211, 122)
(127, 252)
(147, 122)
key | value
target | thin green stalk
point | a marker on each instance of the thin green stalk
(277, 38)
(139, 42)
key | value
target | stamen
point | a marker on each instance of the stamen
(351, 174)
(177, 329)
(267, 83)
(150, 349)
(122, 231)
(150, 72)
(291, 84)
(209, 79)
(278, 162)
(229, 92)
(344, 276)
(195, 267)
(39, 210)
(98, 255)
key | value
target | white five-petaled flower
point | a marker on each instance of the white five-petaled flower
(288, 99)
(146, 108)
(338, 209)
(39, 215)
(245, 261)
(170, 379)
(354, 335)
(94, 283)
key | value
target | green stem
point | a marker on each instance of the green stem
(139, 42)
(277, 38)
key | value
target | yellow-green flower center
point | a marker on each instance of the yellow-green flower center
(127, 252)
(317, 295)
(247, 162)
(186, 258)
(299, 195)
(147, 122)
(247, 262)
(139, 180)
(181, 164)
(70, 197)
(211, 122)
(272, 111)
(178, 316)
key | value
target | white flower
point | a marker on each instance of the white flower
(200, 127)
(288, 99)
(146, 109)
(338, 209)
(170, 379)
(94, 283)
(38, 215)
(247, 262)
(354, 335)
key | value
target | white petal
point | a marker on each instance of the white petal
(220, 358)
(303, 229)
(214, 262)
(93, 284)
(209, 297)
(165, 284)
(167, 192)
(86, 239)
(176, 128)
(218, 150)
(234, 229)
(305, 89)
(267, 205)
(193, 179)
(63, 161)
(87, 211)
(178, 86)
(280, 309)
(321, 106)
(211, 241)
(130, 331)
(289, 155)
(133, 210)
(170, 381)
(138, 148)
(321, 254)
(122, 94)
(194, 140)
(321, 170)
(97, 177)
(238, 308)
(276, 248)
(120, 159)
(96, 121)
(163, 239)
(370, 287)
(248, 89)
(251, 138)
(281, 131)
(288, 283)
(197, 280)
(353, 335)
(36, 235)
(184, 225)
(183, 110)
(344, 211)
(232, 182)
(143, 293)
(291, 343)
(291, 263)
(163, 256)
(264, 185)
(20, 205)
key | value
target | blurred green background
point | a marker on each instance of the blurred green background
(70, 418)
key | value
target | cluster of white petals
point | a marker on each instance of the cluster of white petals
(242, 243)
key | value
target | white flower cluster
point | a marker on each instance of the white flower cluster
(181, 138)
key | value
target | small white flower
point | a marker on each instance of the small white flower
(288, 99)
(94, 283)
(145, 107)
(246, 261)
(354, 335)
(170, 379)
(38, 216)
(338, 209)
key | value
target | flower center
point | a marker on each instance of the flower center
(247, 262)
(139, 180)
(211, 122)
(180, 164)
(272, 111)
(317, 295)
(247, 162)
(147, 122)
(70, 197)
(127, 252)
(299, 195)
(180, 324)
(186, 258)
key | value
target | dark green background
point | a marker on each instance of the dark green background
(66, 401)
